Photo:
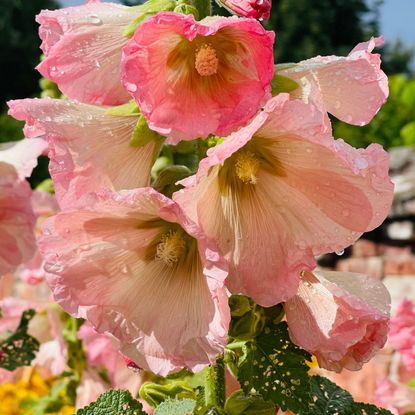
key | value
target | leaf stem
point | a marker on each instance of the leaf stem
(215, 393)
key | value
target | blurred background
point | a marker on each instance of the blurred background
(304, 29)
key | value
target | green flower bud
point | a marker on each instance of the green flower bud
(166, 180)
(240, 404)
(155, 394)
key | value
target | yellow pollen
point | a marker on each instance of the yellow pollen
(170, 248)
(206, 61)
(246, 166)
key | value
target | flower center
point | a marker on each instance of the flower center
(206, 61)
(170, 248)
(246, 166)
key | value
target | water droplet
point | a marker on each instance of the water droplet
(94, 19)
(340, 253)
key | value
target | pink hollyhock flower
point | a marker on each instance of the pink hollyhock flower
(280, 191)
(83, 141)
(352, 88)
(83, 47)
(123, 262)
(192, 79)
(17, 219)
(396, 397)
(402, 334)
(341, 318)
(257, 9)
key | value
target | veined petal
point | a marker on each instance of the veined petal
(108, 264)
(83, 141)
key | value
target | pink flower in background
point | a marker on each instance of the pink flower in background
(123, 262)
(191, 79)
(402, 334)
(341, 318)
(17, 219)
(282, 190)
(88, 149)
(83, 47)
(352, 88)
(257, 9)
(396, 397)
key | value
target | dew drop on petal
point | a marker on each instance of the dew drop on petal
(340, 253)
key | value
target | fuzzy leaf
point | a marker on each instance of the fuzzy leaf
(19, 349)
(330, 399)
(113, 402)
(176, 407)
(276, 369)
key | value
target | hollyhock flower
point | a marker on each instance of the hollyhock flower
(396, 397)
(17, 219)
(352, 88)
(280, 191)
(123, 262)
(192, 79)
(83, 47)
(83, 141)
(257, 9)
(341, 318)
(402, 334)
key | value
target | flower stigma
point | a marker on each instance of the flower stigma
(206, 61)
(171, 247)
(247, 165)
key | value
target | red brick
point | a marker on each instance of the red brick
(364, 248)
(370, 266)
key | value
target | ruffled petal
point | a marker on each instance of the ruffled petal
(82, 142)
(352, 88)
(83, 50)
(341, 318)
(99, 267)
(159, 70)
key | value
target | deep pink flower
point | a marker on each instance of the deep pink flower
(124, 262)
(88, 149)
(257, 9)
(341, 318)
(402, 334)
(191, 79)
(83, 47)
(352, 88)
(17, 219)
(396, 397)
(280, 191)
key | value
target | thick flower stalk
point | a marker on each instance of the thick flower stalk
(191, 79)
(135, 266)
(283, 190)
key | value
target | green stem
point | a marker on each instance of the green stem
(215, 393)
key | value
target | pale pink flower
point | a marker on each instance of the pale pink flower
(83, 47)
(257, 9)
(396, 397)
(280, 191)
(123, 263)
(341, 318)
(17, 219)
(88, 149)
(195, 78)
(352, 88)
(402, 334)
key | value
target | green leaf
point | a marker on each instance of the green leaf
(19, 349)
(330, 399)
(183, 407)
(408, 134)
(142, 134)
(126, 110)
(276, 369)
(113, 402)
(240, 404)
(281, 83)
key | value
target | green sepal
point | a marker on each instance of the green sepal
(185, 8)
(126, 110)
(176, 407)
(142, 134)
(19, 349)
(281, 84)
(113, 402)
(240, 404)
(168, 177)
(147, 9)
(154, 394)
